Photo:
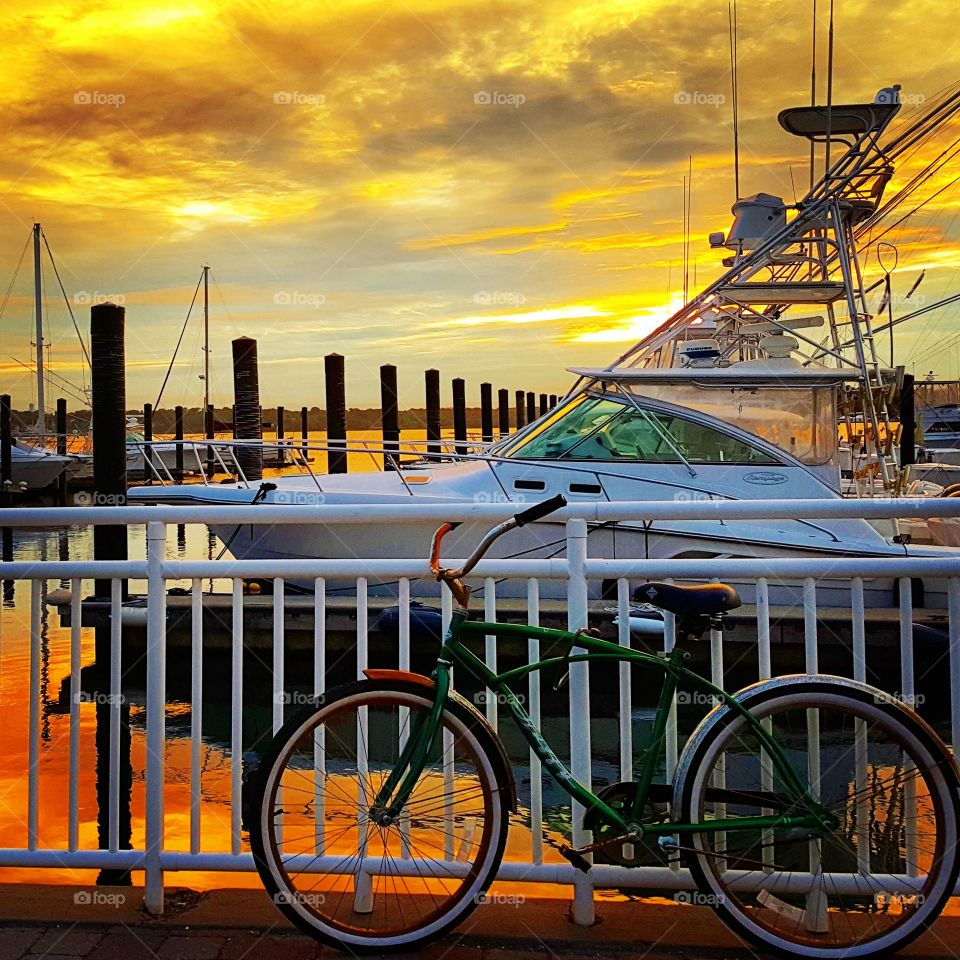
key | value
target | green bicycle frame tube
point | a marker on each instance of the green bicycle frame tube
(413, 757)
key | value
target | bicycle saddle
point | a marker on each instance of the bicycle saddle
(703, 599)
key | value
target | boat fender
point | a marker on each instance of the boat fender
(426, 623)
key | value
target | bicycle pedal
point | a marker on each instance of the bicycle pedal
(575, 857)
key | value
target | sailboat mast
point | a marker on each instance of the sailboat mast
(38, 307)
(206, 340)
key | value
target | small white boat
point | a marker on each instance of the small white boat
(34, 468)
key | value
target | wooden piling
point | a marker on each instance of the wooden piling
(61, 428)
(305, 431)
(6, 473)
(178, 436)
(908, 422)
(389, 416)
(147, 439)
(503, 410)
(553, 400)
(486, 412)
(208, 431)
(531, 407)
(109, 425)
(543, 404)
(432, 383)
(460, 415)
(6, 442)
(246, 393)
(521, 409)
(336, 413)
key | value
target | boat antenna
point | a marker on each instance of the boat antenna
(813, 82)
(206, 340)
(826, 166)
(732, 23)
(687, 198)
(38, 307)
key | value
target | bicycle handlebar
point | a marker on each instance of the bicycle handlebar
(540, 510)
(537, 512)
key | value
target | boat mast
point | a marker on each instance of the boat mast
(38, 307)
(206, 340)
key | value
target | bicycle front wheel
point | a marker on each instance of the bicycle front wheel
(866, 888)
(348, 880)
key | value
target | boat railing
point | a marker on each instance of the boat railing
(207, 458)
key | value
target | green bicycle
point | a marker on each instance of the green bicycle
(816, 814)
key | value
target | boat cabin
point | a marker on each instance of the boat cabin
(780, 416)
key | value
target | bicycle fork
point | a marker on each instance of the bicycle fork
(396, 789)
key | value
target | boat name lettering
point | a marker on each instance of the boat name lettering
(765, 478)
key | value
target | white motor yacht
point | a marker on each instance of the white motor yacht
(34, 468)
(733, 397)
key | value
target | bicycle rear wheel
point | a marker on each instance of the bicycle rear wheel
(352, 882)
(865, 889)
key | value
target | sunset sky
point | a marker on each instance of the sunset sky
(490, 188)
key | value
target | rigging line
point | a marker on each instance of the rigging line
(183, 330)
(920, 177)
(940, 344)
(922, 127)
(914, 133)
(13, 279)
(56, 273)
(64, 384)
(873, 241)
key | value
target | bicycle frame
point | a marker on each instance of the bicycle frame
(398, 787)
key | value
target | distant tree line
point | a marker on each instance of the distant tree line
(358, 418)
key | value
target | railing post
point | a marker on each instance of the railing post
(580, 764)
(156, 716)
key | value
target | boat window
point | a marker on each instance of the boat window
(799, 419)
(604, 429)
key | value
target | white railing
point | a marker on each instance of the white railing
(156, 857)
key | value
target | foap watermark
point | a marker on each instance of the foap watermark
(691, 496)
(90, 298)
(912, 700)
(500, 899)
(97, 98)
(307, 899)
(698, 698)
(100, 699)
(99, 898)
(497, 497)
(298, 498)
(94, 498)
(497, 98)
(297, 99)
(499, 298)
(698, 898)
(883, 900)
(295, 698)
(298, 298)
(697, 98)
(484, 697)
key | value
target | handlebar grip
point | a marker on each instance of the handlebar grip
(540, 510)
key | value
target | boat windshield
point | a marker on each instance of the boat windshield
(798, 418)
(602, 428)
